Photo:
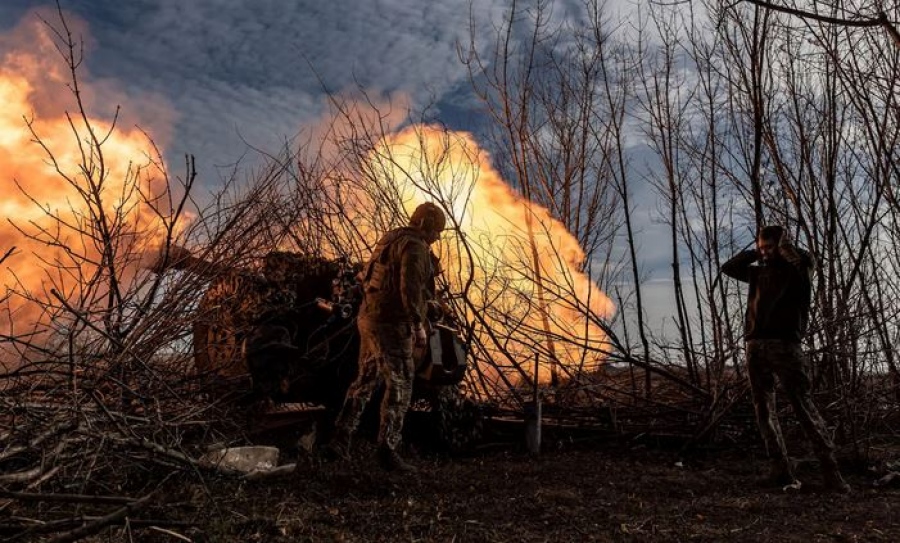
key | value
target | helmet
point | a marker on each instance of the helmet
(428, 216)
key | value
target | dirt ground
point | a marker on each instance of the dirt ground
(611, 489)
(586, 492)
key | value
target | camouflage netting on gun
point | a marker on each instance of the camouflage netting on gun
(291, 328)
(270, 325)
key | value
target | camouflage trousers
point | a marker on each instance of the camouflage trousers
(385, 356)
(768, 359)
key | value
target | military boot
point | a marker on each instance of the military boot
(834, 482)
(338, 447)
(831, 475)
(389, 460)
(781, 475)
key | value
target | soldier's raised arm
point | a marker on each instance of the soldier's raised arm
(738, 266)
(799, 258)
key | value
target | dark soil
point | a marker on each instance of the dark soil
(594, 492)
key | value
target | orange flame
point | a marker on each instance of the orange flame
(44, 176)
(505, 255)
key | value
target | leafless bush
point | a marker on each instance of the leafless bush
(750, 117)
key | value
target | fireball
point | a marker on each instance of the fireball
(81, 195)
(518, 268)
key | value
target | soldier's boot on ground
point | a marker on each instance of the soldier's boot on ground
(389, 460)
(338, 447)
(833, 480)
(781, 475)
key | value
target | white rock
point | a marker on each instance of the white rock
(243, 459)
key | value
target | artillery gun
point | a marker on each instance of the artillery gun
(291, 327)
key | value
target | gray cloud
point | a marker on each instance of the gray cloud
(256, 68)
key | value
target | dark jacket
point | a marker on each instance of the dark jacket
(399, 279)
(780, 292)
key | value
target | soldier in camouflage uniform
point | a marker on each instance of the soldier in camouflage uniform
(398, 283)
(778, 301)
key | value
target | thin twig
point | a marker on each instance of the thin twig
(96, 525)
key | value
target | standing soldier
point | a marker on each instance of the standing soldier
(780, 277)
(398, 282)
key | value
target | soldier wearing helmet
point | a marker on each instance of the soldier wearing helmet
(398, 282)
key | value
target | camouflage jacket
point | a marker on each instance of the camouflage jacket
(779, 295)
(399, 278)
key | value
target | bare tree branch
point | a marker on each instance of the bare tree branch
(881, 19)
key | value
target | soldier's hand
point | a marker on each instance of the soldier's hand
(434, 310)
(785, 247)
(784, 240)
(420, 335)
